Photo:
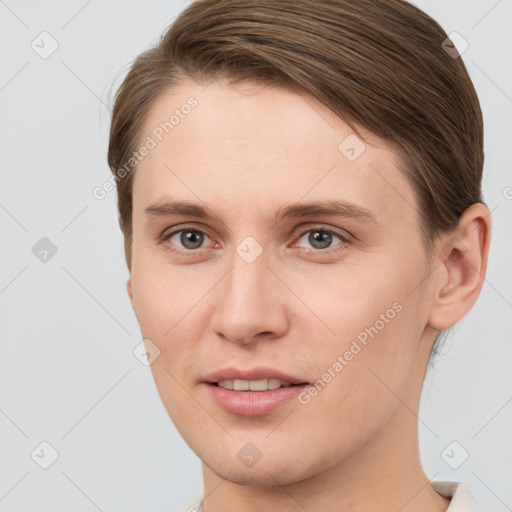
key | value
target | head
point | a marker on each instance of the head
(298, 190)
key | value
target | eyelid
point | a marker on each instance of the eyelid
(342, 234)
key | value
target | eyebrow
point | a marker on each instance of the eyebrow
(327, 208)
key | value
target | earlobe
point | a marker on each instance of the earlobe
(463, 263)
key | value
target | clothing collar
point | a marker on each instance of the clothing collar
(461, 498)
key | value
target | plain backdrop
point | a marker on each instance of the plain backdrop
(68, 375)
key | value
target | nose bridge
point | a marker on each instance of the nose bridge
(249, 304)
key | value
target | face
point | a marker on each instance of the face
(272, 248)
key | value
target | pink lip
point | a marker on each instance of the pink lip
(252, 403)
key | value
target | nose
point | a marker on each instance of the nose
(251, 303)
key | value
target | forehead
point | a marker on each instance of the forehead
(262, 146)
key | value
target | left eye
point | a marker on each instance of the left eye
(321, 238)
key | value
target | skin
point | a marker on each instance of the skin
(245, 151)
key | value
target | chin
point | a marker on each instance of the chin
(253, 479)
(265, 475)
(270, 470)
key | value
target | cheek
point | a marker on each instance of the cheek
(165, 316)
(166, 303)
(377, 325)
(359, 383)
(165, 296)
(363, 305)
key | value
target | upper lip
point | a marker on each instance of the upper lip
(251, 374)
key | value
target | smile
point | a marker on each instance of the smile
(252, 392)
(253, 385)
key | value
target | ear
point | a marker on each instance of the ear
(129, 289)
(462, 257)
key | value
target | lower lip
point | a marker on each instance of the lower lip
(253, 403)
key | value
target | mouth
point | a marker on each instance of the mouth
(252, 393)
(254, 385)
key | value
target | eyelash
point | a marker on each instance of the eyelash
(344, 240)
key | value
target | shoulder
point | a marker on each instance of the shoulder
(461, 498)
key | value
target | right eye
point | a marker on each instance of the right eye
(189, 238)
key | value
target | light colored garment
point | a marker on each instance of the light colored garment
(461, 498)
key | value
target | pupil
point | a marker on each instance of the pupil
(191, 239)
(320, 237)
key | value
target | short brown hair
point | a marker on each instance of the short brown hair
(379, 64)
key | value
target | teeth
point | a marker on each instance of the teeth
(226, 384)
(253, 385)
(241, 385)
(258, 385)
(274, 383)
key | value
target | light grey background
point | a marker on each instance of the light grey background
(67, 372)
